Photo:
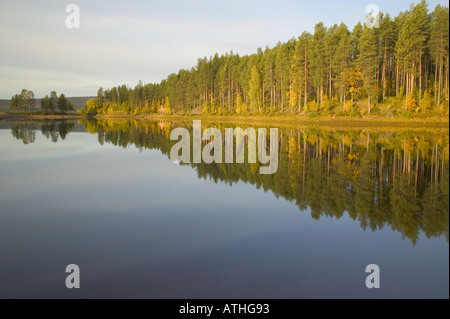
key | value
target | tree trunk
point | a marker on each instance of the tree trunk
(377, 75)
(406, 99)
(330, 82)
(306, 83)
(439, 85)
(396, 81)
(343, 106)
(435, 82)
(321, 96)
(318, 100)
(420, 79)
(281, 92)
(299, 98)
(383, 75)
(446, 84)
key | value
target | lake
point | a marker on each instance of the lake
(106, 195)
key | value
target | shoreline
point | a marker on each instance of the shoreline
(303, 120)
(22, 116)
(288, 119)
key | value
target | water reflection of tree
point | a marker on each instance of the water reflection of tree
(435, 207)
(26, 131)
(406, 208)
(364, 198)
(54, 130)
(397, 179)
(339, 185)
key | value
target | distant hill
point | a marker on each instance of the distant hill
(78, 102)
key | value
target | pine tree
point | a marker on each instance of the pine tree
(15, 102)
(45, 103)
(53, 101)
(439, 48)
(62, 103)
(343, 59)
(254, 88)
(269, 78)
(420, 20)
(318, 63)
(100, 97)
(367, 61)
(282, 66)
(410, 46)
(387, 39)
(331, 43)
(303, 55)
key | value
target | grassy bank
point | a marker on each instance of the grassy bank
(372, 121)
(36, 116)
(290, 120)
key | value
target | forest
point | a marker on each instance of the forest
(26, 101)
(397, 67)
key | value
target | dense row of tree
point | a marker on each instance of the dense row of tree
(402, 61)
(26, 101)
(395, 179)
(53, 102)
(23, 101)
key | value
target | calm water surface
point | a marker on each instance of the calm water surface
(106, 196)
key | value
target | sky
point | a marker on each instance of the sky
(122, 42)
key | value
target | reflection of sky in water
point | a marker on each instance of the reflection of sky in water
(139, 225)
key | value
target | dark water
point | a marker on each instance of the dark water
(106, 196)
